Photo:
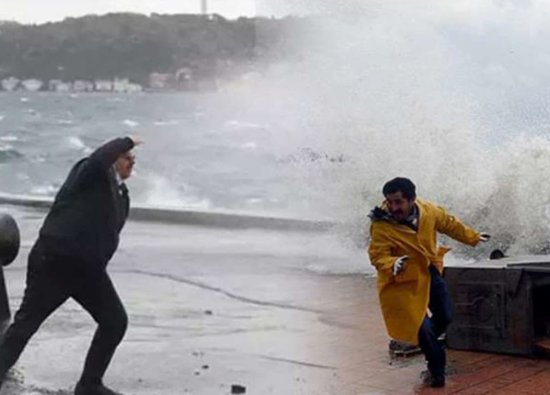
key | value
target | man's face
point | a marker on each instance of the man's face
(124, 165)
(399, 206)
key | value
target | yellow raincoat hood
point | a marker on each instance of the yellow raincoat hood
(404, 298)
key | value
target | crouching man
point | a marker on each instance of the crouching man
(403, 248)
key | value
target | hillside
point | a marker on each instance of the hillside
(135, 45)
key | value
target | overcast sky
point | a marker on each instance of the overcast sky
(38, 11)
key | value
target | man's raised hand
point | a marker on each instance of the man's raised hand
(137, 140)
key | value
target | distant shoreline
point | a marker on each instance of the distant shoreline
(134, 52)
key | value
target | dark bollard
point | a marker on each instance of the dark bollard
(9, 247)
(9, 239)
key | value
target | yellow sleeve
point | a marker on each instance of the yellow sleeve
(380, 251)
(454, 228)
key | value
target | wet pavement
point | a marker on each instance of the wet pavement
(275, 312)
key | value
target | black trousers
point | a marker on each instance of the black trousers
(432, 327)
(51, 280)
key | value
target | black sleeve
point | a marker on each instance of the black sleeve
(106, 155)
(100, 161)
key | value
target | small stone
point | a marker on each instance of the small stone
(208, 312)
(205, 367)
(238, 389)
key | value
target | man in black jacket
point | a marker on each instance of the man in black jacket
(78, 238)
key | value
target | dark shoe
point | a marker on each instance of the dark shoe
(426, 377)
(437, 381)
(93, 389)
(11, 381)
(442, 340)
(398, 349)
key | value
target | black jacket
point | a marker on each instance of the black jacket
(90, 209)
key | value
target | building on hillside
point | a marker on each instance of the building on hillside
(134, 88)
(120, 85)
(83, 86)
(31, 85)
(59, 86)
(123, 85)
(161, 81)
(10, 84)
(103, 85)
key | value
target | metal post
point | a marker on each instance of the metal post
(5, 314)
(9, 247)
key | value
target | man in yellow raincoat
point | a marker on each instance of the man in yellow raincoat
(404, 250)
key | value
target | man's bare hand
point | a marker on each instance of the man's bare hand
(137, 140)
(484, 237)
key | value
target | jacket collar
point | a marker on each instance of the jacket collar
(381, 213)
(118, 180)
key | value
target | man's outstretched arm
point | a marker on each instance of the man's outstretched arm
(451, 226)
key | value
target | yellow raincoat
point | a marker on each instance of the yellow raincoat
(404, 298)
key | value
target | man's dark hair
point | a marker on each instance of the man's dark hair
(406, 186)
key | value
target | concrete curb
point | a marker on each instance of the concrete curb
(230, 220)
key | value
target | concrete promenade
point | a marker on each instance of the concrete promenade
(275, 312)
